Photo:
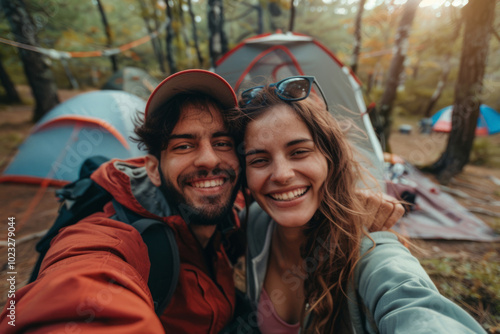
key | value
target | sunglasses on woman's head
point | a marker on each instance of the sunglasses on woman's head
(290, 89)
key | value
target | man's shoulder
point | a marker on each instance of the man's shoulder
(115, 169)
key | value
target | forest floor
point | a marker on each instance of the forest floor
(466, 272)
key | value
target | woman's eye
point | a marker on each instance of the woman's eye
(257, 162)
(299, 153)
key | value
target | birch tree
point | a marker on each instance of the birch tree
(357, 37)
(396, 68)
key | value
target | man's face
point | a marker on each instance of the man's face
(200, 166)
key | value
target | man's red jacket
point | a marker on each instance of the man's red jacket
(94, 277)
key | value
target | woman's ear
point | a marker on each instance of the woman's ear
(152, 169)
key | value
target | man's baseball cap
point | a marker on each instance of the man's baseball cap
(194, 80)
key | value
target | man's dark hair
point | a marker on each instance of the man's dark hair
(154, 132)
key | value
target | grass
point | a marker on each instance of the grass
(485, 152)
(495, 223)
(472, 284)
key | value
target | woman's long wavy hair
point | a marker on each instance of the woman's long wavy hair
(334, 234)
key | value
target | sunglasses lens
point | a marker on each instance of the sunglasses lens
(250, 94)
(294, 88)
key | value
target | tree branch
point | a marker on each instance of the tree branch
(495, 33)
(239, 16)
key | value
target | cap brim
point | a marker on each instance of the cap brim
(189, 81)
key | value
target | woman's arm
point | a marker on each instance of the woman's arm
(399, 294)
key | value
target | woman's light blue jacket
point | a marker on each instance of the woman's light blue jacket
(392, 293)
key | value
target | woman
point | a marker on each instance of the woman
(306, 266)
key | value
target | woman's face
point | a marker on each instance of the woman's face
(285, 170)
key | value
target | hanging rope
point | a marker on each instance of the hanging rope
(57, 54)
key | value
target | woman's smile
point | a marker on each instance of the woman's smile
(289, 195)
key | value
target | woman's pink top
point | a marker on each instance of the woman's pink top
(269, 320)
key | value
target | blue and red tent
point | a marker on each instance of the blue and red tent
(93, 123)
(488, 122)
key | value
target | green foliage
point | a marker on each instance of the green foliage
(470, 283)
(61, 25)
(480, 152)
(485, 153)
(495, 224)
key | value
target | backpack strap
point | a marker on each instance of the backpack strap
(162, 251)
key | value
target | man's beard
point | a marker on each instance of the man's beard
(212, 212)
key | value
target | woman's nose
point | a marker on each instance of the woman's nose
(282, 171)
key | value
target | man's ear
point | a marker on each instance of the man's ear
(152, 169)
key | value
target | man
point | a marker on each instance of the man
(94, 277)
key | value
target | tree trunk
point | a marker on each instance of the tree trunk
(155, 42)
(169, 40)
(36, 68)
(494, 32)
(71, 78)
(357, 37)
(446, 68)
(195, 33)
(184, 34)
(217, 37)
(157, 29)
(260, 19)
(416, 68)
(292, 16)
(369, 83)
(396, 68)
(440, 86)
(10, 89)
(478, 16)
(107, 30)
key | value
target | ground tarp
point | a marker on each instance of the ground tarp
(435, 214)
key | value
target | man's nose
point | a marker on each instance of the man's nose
(207, 157)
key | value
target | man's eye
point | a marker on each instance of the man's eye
(183, 147)
(223, 144)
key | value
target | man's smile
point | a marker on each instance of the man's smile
(210, 183)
